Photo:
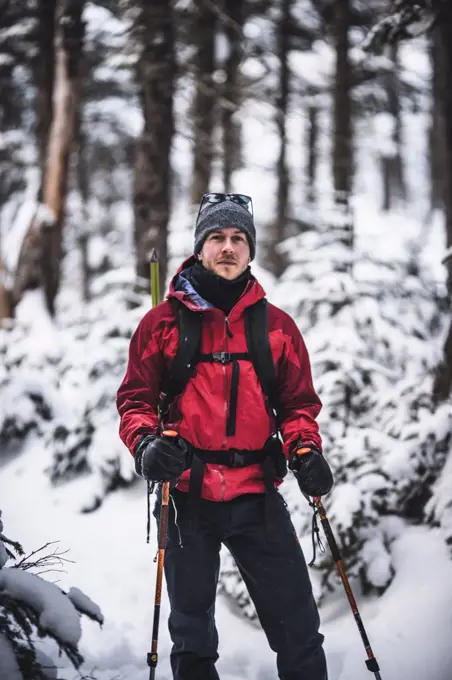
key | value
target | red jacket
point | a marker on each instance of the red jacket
(203, 405)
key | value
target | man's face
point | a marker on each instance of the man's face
(226, 252)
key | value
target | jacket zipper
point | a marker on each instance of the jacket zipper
(228, 328)
(226, 335)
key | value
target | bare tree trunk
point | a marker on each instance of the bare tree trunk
(277, 230)
(204, 28)
(445, 42)
(343, 225)
(443, 378)
(392, 163)
(443, 374)
(436, 131)
(41, 252)
(5, 295)
(83, 186)
(342, 140)
(156, 74)
(313, 136)
(233, 28)
(68, 47)
(44, 76)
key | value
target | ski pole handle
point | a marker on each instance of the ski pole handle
(169, 433)
(303, 450)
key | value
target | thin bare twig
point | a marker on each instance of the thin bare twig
(55, 558)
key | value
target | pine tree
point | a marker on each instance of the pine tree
(32, 607)
(386, 451)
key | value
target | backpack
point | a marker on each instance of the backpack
(188, 354)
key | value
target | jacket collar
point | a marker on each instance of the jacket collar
(181, 289)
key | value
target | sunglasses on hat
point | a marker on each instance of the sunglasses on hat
(209, 199)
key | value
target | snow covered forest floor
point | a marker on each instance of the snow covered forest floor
(409, 626)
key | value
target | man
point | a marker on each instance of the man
(225, 463)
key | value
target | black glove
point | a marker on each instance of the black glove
(313, 473)
(161, 459)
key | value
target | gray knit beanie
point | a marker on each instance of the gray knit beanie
(221, 215)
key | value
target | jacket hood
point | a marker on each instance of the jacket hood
(182, 289)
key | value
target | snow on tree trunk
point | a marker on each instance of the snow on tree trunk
(41, 253)
(68, 45)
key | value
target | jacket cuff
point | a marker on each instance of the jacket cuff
(140, 448)
(299, 443)
(142, 442)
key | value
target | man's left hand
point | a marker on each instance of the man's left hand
(313, 473)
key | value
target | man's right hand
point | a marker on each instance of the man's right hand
(161, 459)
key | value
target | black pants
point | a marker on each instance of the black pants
(273, 569)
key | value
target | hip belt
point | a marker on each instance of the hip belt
(271, 458)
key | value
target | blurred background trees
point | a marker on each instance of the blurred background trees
(216, 57)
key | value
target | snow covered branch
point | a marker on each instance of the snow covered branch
(31, 607)
(407, 20)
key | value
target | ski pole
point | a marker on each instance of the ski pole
(371, 661)
(152, 656)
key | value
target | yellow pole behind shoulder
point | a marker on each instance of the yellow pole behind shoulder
(152, 657)
(155, 278)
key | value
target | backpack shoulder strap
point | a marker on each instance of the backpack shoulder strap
(189, 324)
(257, 337)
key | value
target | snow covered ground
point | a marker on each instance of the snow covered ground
(409, 626)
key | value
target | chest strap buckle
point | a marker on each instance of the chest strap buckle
(222, 357)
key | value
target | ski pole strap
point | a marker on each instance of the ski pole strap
(315, 532)
(150, 491)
